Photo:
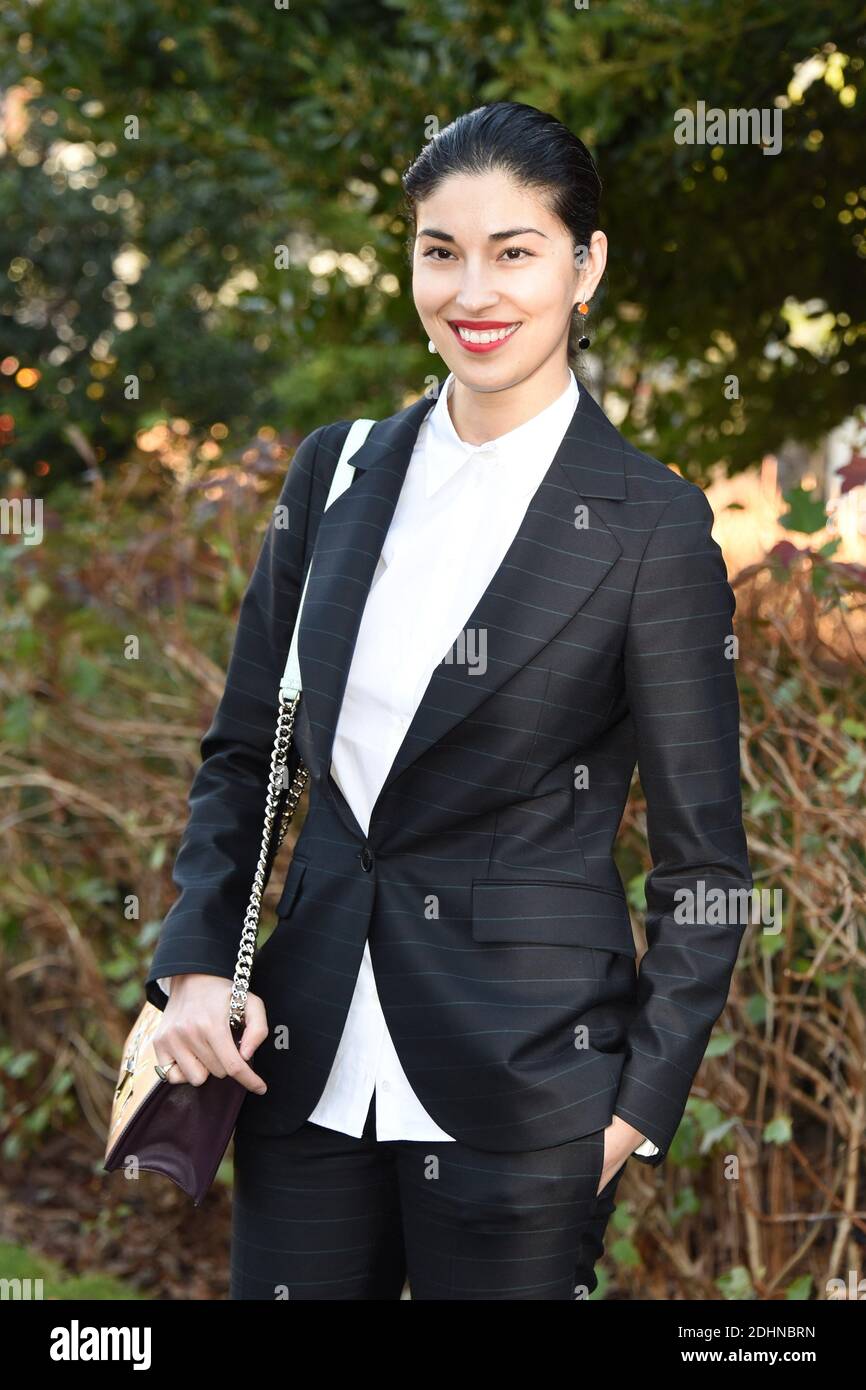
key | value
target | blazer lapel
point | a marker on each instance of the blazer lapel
(347, 548)
(556, 560)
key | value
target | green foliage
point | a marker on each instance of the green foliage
(17, 1262)
(778, 1130)
(806, 511)
(800, 1288)
(686, 1204)
(166, 155)
(736, 1284)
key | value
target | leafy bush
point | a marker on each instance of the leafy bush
(118, 633)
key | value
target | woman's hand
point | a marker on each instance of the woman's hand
(196, 1036)
(620, 1140)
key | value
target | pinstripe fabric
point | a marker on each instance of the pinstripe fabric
(320, 1215)
(499, 931)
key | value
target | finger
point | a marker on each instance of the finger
(189, 1067)
(227, 1050)
(166, 1056)
(256, 1026)
(202, 1045)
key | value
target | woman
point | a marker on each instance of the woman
(449, 1049)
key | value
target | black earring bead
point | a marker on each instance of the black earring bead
(583, 342)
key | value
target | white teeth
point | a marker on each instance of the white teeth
(491, 336)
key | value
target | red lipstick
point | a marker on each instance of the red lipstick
(483, 326)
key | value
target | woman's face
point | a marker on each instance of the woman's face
(490, 258)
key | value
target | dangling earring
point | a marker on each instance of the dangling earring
(431, 346)
(583, 341)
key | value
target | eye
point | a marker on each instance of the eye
(513, 254)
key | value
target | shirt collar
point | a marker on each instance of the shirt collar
(445, 452)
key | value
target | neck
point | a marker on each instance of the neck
(481, 415)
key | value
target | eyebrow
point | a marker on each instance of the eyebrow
(494, 236)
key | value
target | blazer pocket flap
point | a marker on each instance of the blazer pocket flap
(559, 914)
(291, 886)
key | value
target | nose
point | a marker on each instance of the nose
(475, 294)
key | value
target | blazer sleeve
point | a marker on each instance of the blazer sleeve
(221, 842)
(682, 693)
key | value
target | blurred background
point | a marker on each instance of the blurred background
(204, 257)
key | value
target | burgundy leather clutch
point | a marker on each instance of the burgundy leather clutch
(180, 1131)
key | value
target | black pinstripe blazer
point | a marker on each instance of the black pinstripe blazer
(499, 931)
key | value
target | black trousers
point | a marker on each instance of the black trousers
(320, 1215)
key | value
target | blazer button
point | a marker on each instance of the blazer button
(366, 858)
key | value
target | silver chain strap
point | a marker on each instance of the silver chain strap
(276, 782)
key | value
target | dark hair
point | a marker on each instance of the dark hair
(536, 149)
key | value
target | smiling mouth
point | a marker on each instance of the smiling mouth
(478, 339)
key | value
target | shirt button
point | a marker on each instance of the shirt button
(366, 858)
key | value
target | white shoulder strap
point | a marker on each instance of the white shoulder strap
(343, 473)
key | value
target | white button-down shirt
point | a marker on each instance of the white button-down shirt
(458, 511)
